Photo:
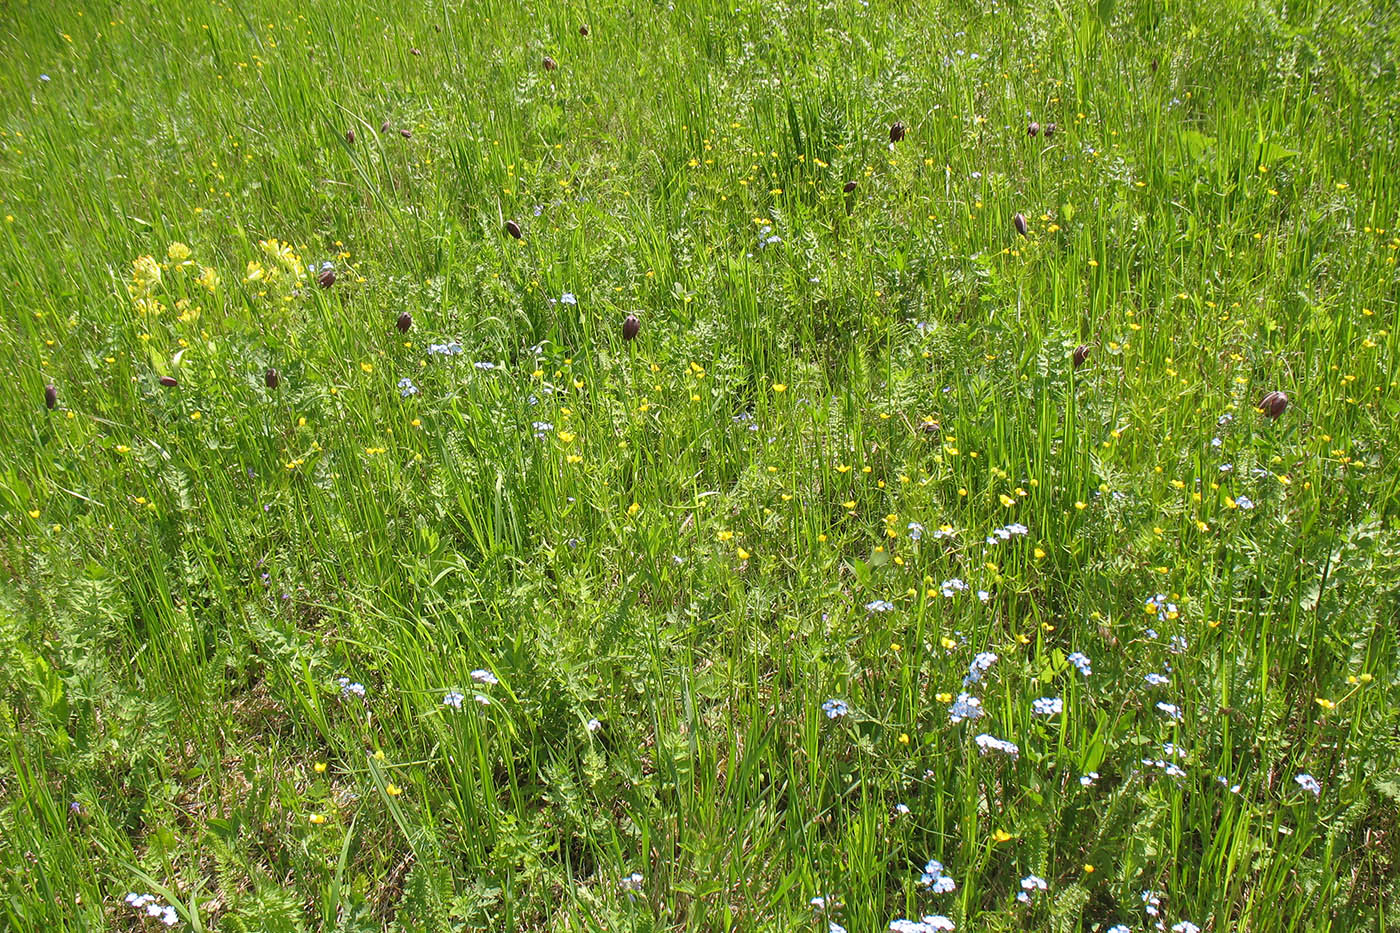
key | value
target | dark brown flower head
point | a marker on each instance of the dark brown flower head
(1081, 353)
(550, 64)
(930, 427)
(630, 327)
(896, 131)
(583, 30)
(350, 137)
(1033, 129)
(1019, 221)
(406, 134)
(51, 396)
(848, 187)
(1273, 404)
(415, 52)
(327, 277)
(270, 378)
(404, 322)
(385, 127)
(513, 228)
(1050, 129)
(169, 382)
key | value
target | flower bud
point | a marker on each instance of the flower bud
(406, 134)
(270, 378)
(513, 228)
(1081, 353)
(385, 127)
(1050, 129)
(583, 30)
(169, 382)
(350, 137)
(630, 327)
(51, 396)
(1020, 223)
(848, 187)
(1273, 404)
(404, 322)
(896, 131)
(1033, 129)
(550, 64)
(327, 276)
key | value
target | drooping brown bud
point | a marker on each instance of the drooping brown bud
(169, 382)
(1019, 221)
(848, 187)
(385, 127)
(51, 396)
(550, 64)
(415, 52)
(1081, 353)
(404, 322)
(1273, 404)
(327, 277)
(513, 228)
(630, 327)
(930, 427)
(896, 131)
(406, 134)
(350, 137)
(1033, 129)
(583, 30)
(1050, 129)
(270, 378)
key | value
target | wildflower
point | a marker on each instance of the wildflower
(632, 882)
(989, 743)
(1087, 780)
(145, 276)
(934, 878)
(568, 299)
(1171, 710)
(834, 927)
(1118, 928)
(835, 709)
(593, 725)
(1244, 502)
(980, 664)
(349, 688)
(878, 605)
(967, 707)
(485, 365)
(1081, 661)
(481, 699)
(484, 677)
(407, 388)
(445, 349)
(916, 531)
(541, 428)
(1048, 706)
(177, 252)
(949, 587)
(1309, 783)
(901, 809)
(453, 699)
(207, 278)
(1185, 926)
(1157, 680)
(1029, 885)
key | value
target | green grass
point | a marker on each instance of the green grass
(688, 552)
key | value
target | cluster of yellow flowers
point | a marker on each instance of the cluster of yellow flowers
(282, 269)
(148, 274)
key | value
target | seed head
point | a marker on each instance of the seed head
(404, 322)
(513, 228)
(1273, 404)
(270, 378)
(51, 396)
(896, 131)
(630, 327)
(1020, 223)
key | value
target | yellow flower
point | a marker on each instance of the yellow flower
(318, 818)
(195, 415)
(1001, 835)
(367, 367)
(743, 554)
(1081, 506)
(208, 278)
(633, 509)
(904, 738)
(1325, 703)
(33, 513)
(178, 252)
(393, 790)
(145, 276)
(725, 535)
(1039, 553)
(779, 387)
(320, 767)
(945, 698)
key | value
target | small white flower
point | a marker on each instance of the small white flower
(484, 677)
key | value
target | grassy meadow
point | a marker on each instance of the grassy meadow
(932, 552)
